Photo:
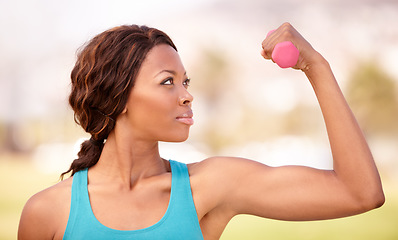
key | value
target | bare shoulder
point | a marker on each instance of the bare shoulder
(219, 176)
(52, 196)
(46, 213)
(226, 165)
(203, 174)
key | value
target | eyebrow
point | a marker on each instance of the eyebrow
(169, 71)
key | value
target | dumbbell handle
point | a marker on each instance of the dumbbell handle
(285, 54)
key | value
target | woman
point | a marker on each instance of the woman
(130, 88)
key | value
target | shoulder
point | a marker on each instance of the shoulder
(49, 197)
(223, 166)
(46, 212)
(212, 170)
(219, 176)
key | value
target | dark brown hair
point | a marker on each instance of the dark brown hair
(102, 78)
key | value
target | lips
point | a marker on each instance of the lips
(186, 118)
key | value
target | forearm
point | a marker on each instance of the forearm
(352, 159)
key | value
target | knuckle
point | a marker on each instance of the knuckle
(287, 30)
(287, 34)
(286, 26)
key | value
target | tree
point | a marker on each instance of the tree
(372, 93)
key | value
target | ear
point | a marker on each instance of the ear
(124, 110)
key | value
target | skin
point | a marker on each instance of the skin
(134, 181)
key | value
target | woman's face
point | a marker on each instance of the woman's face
(159, 105)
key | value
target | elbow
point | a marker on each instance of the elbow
(377, 197)
(372, 201)
(379, 200)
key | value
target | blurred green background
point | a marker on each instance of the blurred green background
(20, 179)
(244, 106)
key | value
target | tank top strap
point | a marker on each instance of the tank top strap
(182, 197)
(180, 184)
(80, 207)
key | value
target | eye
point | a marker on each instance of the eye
(187, 82)
(168, 81)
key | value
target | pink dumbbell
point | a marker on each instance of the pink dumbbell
(285, 54)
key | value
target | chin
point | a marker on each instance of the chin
(175, 139)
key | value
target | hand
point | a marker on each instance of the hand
(286, 32)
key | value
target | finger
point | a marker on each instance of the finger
(262, 52)
(270, 32)
(268, 45)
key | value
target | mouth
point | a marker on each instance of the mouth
(186, 118)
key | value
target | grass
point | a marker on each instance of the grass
(20, 179)
(380, 224)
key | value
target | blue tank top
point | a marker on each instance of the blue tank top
(179, 222)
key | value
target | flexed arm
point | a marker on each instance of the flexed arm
(297, 192)
(353, 162)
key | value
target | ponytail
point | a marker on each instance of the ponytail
(88, 156)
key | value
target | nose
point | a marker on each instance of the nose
(185, 98)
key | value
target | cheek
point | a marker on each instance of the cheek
(158, 116)
(159, 124)
(154, 117)
(150, 112)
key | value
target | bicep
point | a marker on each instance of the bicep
(286, 193)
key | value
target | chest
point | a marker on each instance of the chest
(147, 212)
(130, 210)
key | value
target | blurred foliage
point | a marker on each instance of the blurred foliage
(231, 119)
(213, 74)
(372, 94)
(27, 134)
(19, 179)
(2, 135)
(303, 120)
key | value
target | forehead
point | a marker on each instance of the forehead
(159, 58)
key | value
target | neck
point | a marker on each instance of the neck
(126, 160)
